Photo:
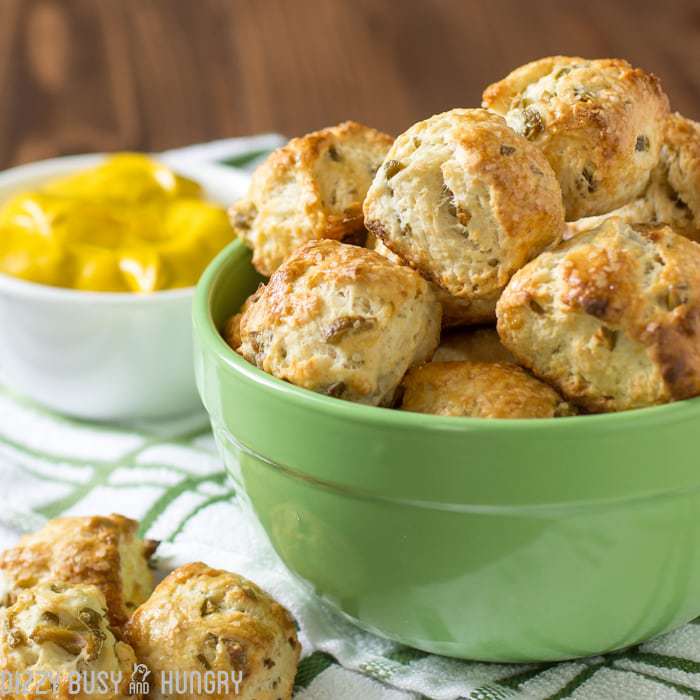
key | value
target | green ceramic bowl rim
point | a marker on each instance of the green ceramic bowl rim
(208, 334)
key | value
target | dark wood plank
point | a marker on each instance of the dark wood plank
(83, 75)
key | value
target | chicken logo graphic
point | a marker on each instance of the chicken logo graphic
(139, 683)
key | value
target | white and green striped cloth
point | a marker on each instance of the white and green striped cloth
(169, 477)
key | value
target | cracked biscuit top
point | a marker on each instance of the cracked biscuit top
(611, 317)
(310, 189)
(673, 194)
(598, 122)
(342, 321)
(104, 551)
(466, 201)
(480, 390)
(201, 619)
(63, 630)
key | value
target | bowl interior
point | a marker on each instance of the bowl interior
(237, 281)
(230, 279)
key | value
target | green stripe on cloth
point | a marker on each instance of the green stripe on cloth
(245, 159)
(585, 675)
(662, 661)
(683, 689)
(170, 495)
(516, 680)
(312, 666)
(182, 484)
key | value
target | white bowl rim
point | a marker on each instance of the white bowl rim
(46, 292)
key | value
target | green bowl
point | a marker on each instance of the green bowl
(497, 540)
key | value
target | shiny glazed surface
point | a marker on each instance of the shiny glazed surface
(498, 540)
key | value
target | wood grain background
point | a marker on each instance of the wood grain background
(85, 75)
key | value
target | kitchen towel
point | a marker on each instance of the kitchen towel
(169, 477)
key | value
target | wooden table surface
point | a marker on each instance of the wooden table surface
(86, 75)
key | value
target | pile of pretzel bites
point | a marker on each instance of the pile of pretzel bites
(534, 257)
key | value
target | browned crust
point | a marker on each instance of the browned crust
(343, 321)
(498, 96)
(525, 207)
(595, 134)
(672, 196)
(661, 314)
(298, 159)
(232, 331)
(167, 631)
(678, 175)
(675, 347)
(350, 265)
(199, 571)
(480, 389)
(308, 147)
(77, 550)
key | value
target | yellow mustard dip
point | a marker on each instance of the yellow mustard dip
(128, 225)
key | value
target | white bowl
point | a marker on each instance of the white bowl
(102, 355)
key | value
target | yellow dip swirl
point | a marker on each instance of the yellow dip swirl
(128, 225)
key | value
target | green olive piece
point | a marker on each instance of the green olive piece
(609, 337)
(642, 143)
(71, 642)
(590, 181)
(343, 325)
(95, 642)
(535, 306)
(208, 607)
(392, 167)
(16, 638)
(583, 95)
(236, 653)
(336, 390)
(533, 124)
(90, 617)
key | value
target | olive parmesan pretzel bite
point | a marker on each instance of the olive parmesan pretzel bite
(480, 390)
(310, 189)
(343, 321)
(466, 201)
(58, 631)
(100, 550)
(673, 194)
(599, 123)
(611, 317)
(201, 619)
